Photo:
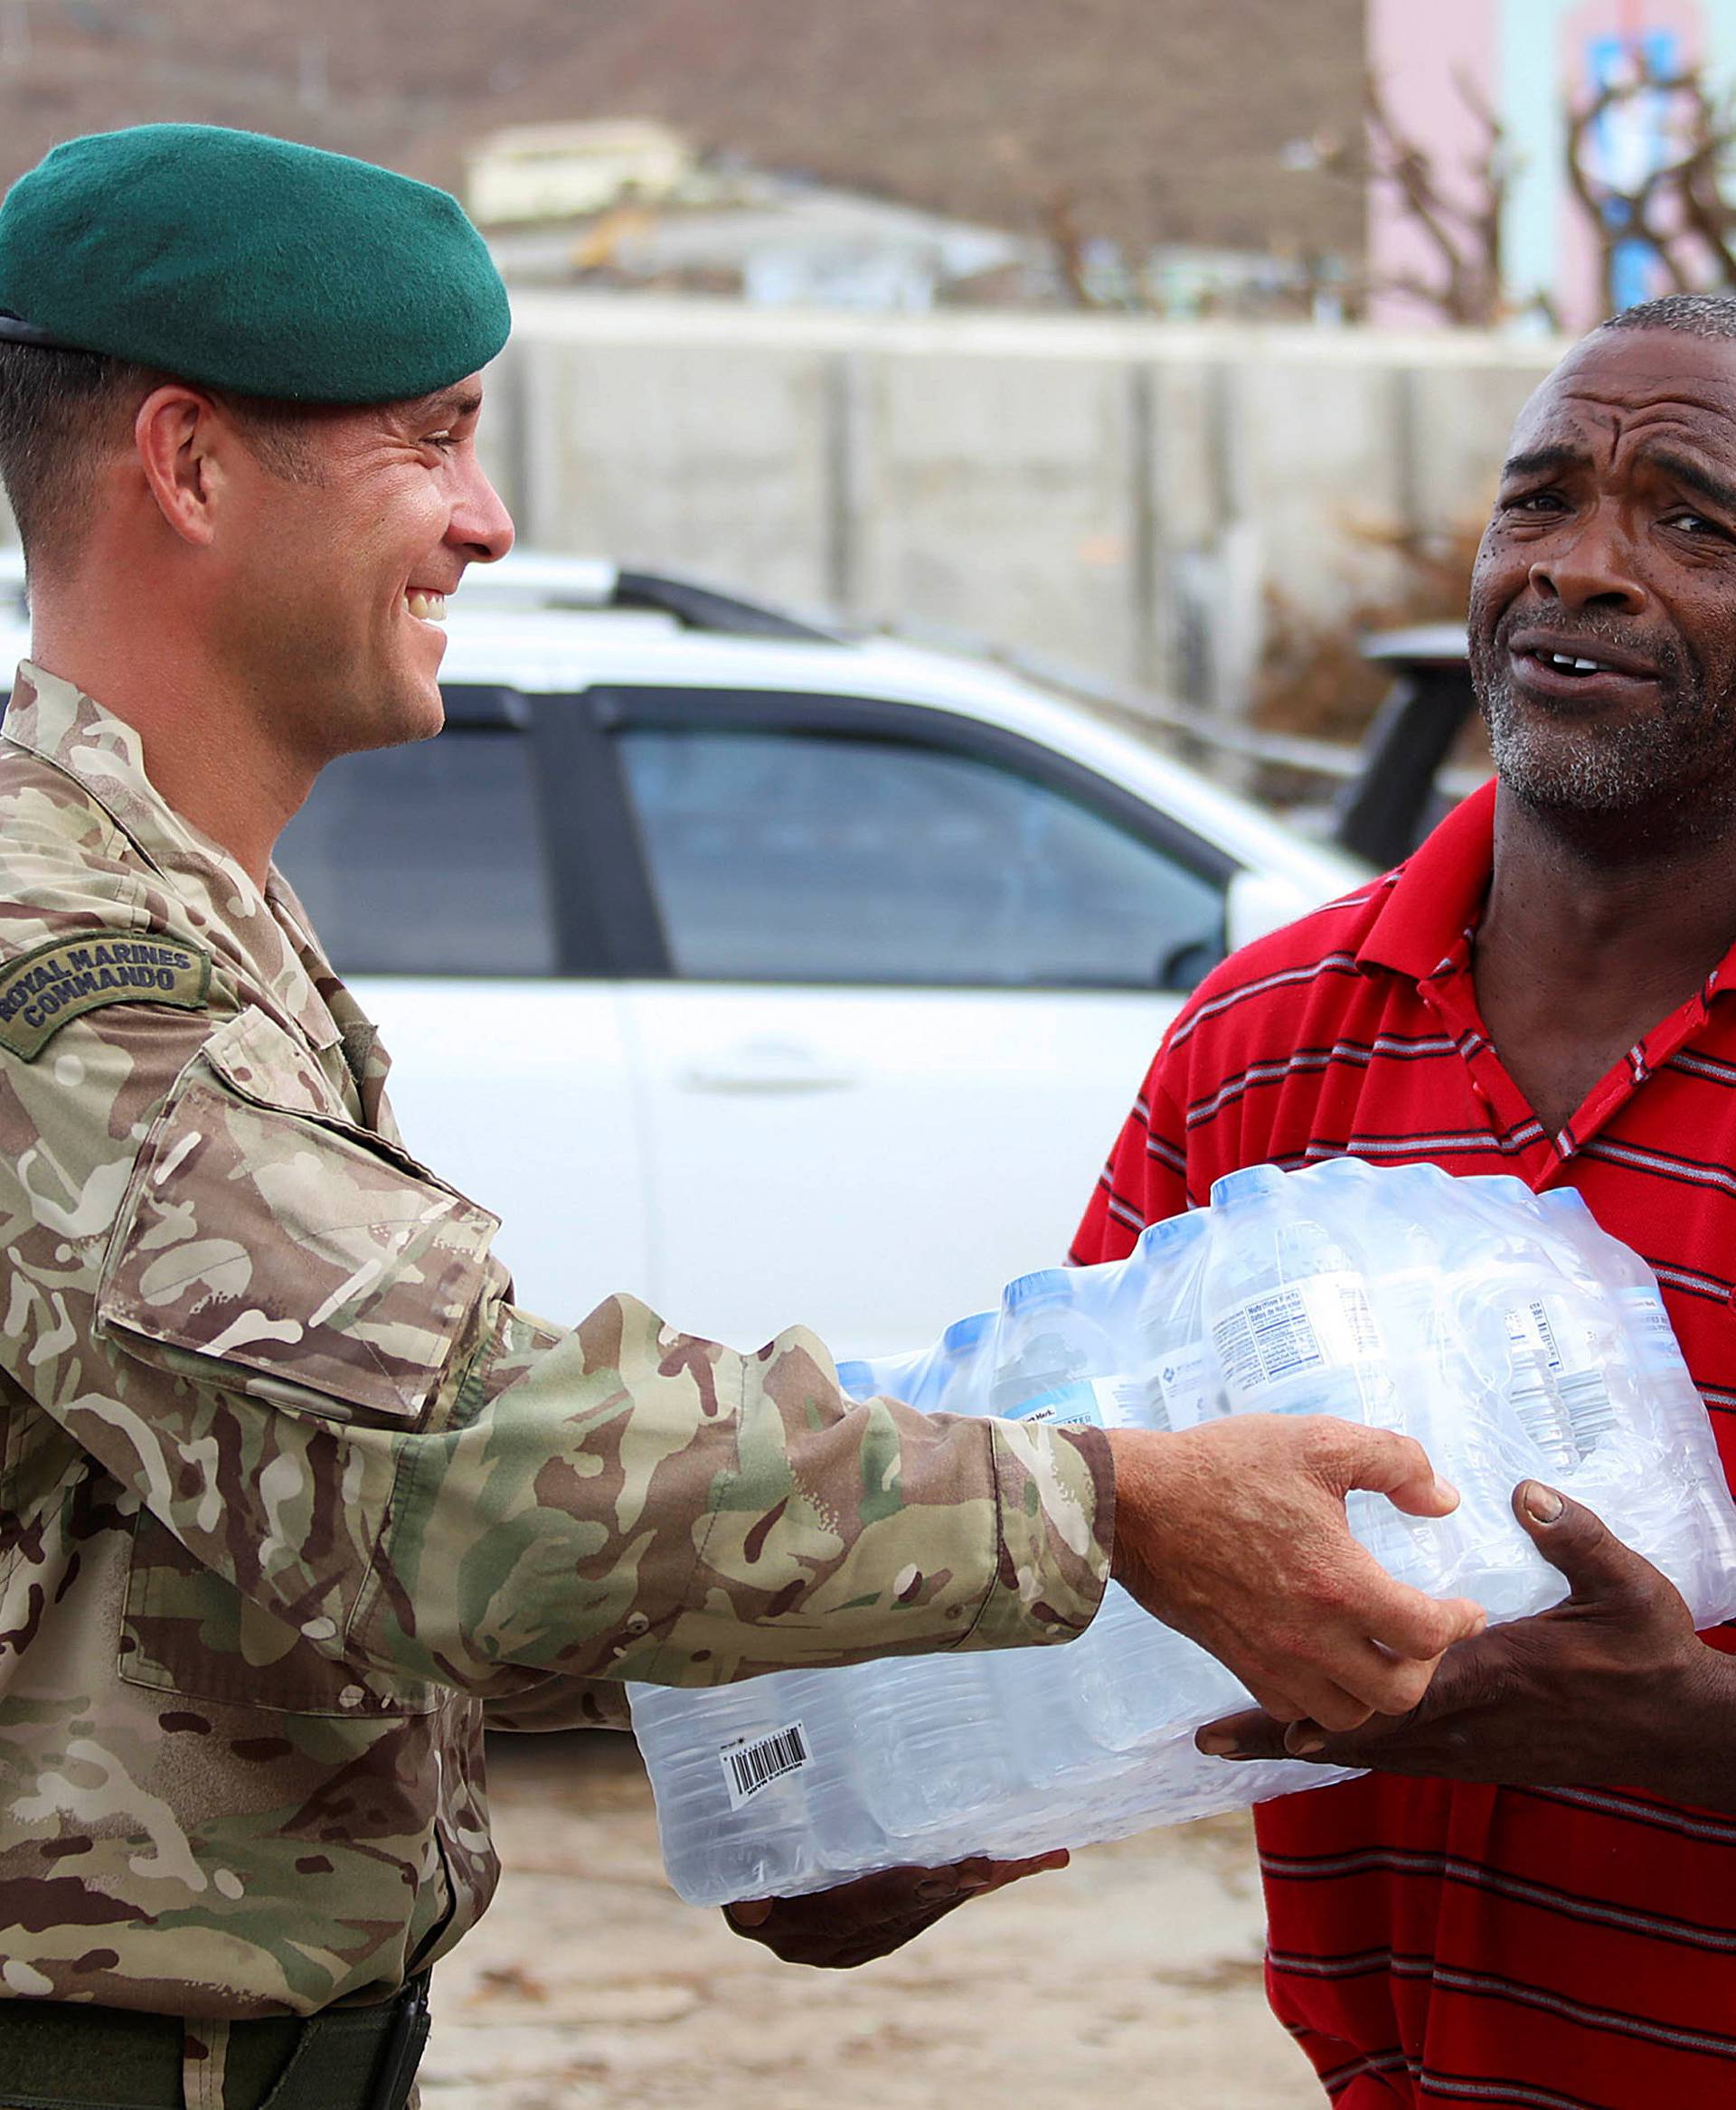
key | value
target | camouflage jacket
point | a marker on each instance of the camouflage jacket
(291, 1493)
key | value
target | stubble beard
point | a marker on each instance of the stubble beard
(1646, 772)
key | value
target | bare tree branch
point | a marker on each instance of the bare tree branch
(1464, 231)
(1677, 209)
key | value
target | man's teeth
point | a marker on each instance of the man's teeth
(428, 608)
(1566, 660)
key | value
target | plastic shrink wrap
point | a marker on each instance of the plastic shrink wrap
(1503, 1329)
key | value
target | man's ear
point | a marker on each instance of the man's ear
(178, 434)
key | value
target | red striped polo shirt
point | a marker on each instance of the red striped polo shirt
(1559, 1948)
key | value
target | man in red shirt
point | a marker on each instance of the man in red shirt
(1530, 1900)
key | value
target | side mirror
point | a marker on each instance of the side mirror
(1259, 901)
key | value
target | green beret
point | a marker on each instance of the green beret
(250, 264)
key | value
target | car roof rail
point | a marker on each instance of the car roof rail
(704, 608)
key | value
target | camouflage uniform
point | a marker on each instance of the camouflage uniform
(292, 1494)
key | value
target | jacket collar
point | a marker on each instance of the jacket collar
(104, 756)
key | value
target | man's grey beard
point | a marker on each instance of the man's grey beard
(1619, 771)
(1572, 769)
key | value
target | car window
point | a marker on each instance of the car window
(427, 859)
(798, 856)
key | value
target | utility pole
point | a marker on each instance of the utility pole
(14, 34)
(314, 86)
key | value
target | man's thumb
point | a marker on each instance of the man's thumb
(1573, 1538)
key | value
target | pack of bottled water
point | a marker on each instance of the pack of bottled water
(1504, 1329)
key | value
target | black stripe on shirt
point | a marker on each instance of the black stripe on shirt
(1514, 1992)
(1548, 1898)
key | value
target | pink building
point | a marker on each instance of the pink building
(1530, 61)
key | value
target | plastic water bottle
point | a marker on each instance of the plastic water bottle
(1287, 1309)
(1182, 1384)
(1505, 1329)
(967, 1353)
(1055, 1360)
(1653, 1402)
(1644, 1337)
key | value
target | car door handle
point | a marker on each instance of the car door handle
(766, 1070)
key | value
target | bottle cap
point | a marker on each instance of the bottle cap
(1173, 1231)
(1346, 1168)
(966, 1333)
(1048, 1286)
(1246, 1185)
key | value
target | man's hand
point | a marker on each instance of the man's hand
(1611, 1688)
(1234, 1533)
(836, 1930)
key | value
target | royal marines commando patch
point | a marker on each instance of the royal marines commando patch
(49, 986)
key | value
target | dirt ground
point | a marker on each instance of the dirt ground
(1131, 1978)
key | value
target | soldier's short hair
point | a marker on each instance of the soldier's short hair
(62, 412)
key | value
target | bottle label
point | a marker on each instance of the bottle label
(1653, 1319)
(1090, 1403)
(1320, 1324)
(1645, 1312)
(1185, 1381)
(1528, 1326)
(750, 1766)
(1590, 1411)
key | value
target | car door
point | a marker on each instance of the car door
(433, 874)
(913, 968)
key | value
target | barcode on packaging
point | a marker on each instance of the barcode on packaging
(749, 1767)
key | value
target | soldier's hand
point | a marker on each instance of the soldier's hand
(1234, 1533)
(836, 1930)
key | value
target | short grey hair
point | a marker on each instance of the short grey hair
(1689, 315)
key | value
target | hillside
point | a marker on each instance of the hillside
(1163, 119)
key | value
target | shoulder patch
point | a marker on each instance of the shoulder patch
(49, 986)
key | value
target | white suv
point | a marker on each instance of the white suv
(768, 973)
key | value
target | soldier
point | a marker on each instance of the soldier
(292, 1493)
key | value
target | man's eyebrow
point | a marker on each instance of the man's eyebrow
(1694, 476)
(443, 403)
(1541, 460)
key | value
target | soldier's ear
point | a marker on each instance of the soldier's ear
(178, 435)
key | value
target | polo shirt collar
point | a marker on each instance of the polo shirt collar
(1436, 895)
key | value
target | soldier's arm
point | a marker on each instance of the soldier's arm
(561, 1703)
(294, 1349)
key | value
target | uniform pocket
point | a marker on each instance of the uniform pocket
(313, 1261)
(285, 1269)
(186, 1631)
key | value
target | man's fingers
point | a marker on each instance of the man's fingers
(980, 1875)
(1003, 1872)
(1409, 1623)
(1339, 1712)
(749, 1911)
(1578, 1541)
(1250, 1735)
(1378, 1683)
(1394, 1465)
(1368, 1605)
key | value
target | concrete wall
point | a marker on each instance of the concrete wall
(1118, 493)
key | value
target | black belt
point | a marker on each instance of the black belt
(65, 2055)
